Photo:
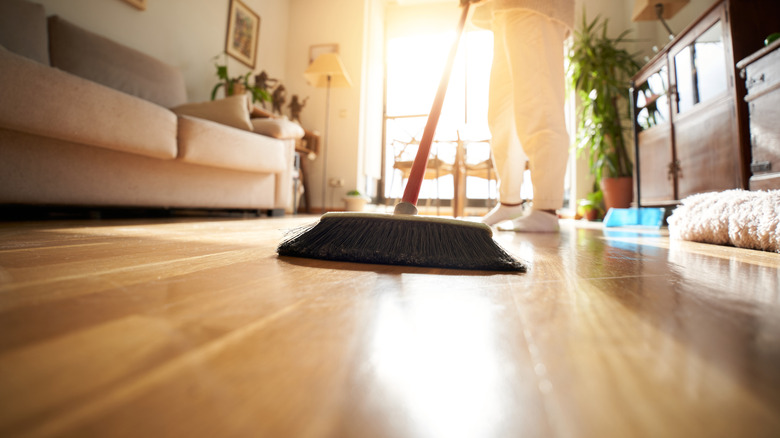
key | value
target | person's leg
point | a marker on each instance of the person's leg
(535, 47)
(508, 157)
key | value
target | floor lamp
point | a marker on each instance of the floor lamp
(325, 72)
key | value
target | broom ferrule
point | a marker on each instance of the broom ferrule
(405, 208)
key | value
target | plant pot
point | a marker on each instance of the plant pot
(238, 89)
(618, 192)
(590, 215)
(355, 203)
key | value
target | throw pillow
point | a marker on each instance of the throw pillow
(231, 111)
(277, 128)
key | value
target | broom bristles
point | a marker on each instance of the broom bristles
(400, 240)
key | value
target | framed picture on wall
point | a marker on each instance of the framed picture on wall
(243, 30)
(138, 4)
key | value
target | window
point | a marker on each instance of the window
(414, 69)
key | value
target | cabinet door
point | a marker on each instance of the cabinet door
(707, 150)
(765, 133)
(706, 136)
(654, 134)
(763, 84)
(656, 183)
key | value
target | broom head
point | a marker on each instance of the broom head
(400, 239)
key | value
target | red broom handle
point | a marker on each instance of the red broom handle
(417, 174)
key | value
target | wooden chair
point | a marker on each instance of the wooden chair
(403, 157)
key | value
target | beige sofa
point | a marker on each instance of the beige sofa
(85, 121)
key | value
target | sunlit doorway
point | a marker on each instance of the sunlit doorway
(414, 69)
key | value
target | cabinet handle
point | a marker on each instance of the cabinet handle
(674, 170)
(760, 166)
(756, 80)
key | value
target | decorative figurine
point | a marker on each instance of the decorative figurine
(296, 107)
(263, 82)
(278, 98)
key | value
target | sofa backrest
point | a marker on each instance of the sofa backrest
(23, 29)
(104, 61)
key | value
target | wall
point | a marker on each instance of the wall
(341, 22)
(185, 33)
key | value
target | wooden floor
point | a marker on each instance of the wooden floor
(194, 328)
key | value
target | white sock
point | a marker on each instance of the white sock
(501, 213)
(535, 222)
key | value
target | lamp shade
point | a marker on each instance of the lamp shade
(327, 64)
(645, 10)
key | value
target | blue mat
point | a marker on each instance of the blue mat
(634, 217)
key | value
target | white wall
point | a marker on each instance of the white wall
(183, 33)
(315, 22)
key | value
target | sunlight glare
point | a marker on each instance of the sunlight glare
(437, 361)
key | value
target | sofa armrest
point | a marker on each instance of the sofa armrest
(208, 143)
(284, 179)
(45, 101)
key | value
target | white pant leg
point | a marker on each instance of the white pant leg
(527, 83)
(509, 159)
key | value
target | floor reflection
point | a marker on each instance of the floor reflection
(727, 277)
(438, 361)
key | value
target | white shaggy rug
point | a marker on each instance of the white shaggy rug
(741, 218)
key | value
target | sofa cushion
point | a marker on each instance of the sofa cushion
(106, 62)
(23, 29)
(41, 100)
(38, 170)
(277, 128)
(232, 111)
(213, 144)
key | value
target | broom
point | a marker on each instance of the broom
(403, 238)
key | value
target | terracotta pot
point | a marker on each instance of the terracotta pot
(618, 192)
(591, 215)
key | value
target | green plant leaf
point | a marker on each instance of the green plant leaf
(214, 90)
(222, 72)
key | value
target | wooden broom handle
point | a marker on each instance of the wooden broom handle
(417, 174)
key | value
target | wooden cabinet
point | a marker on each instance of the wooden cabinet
(761, 72)
(690, 117)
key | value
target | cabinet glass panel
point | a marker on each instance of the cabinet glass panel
(683, 65)
(652, 101)
(699, 69)
(710, 63)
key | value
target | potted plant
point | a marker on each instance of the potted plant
(355, 201)
(590, 208)
(237, 85)
(599, 72)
